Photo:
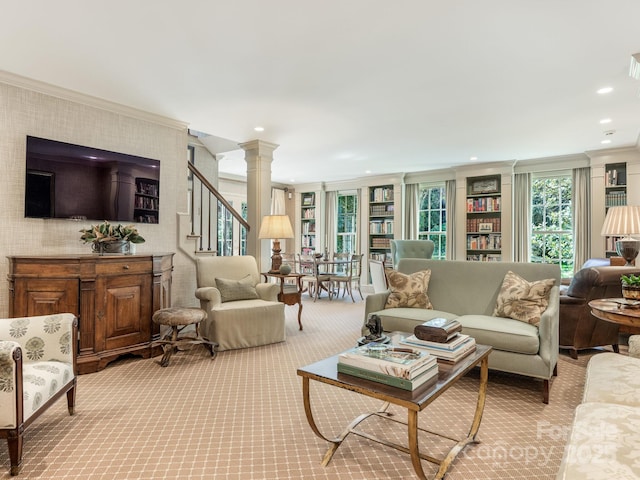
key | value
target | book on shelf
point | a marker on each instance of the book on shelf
(437, 329)
(454, 342)
(450, 356)
(391, 360)
(429, 374)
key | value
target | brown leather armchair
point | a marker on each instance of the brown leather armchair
(579, 329)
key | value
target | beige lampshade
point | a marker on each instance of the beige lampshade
(276, 226)
(622, 221)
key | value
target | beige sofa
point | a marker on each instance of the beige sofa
(468, 291)
(604, 438)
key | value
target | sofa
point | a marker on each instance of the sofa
(241, 311)
(605, 433)
(37, 367)
(579, 329)
(468, 291)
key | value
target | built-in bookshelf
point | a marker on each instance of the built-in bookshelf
(308, 223)
(146, 200)
(484, 218)
(615, 194)
(381, 224)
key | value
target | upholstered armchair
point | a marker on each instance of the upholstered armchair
(410, 249)
(37, 367)
(241, 311)
(579, 329)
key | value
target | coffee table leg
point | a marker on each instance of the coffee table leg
(412, 425)
(475, 424)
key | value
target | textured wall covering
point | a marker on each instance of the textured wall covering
(27, 112)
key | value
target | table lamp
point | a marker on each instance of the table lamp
(276, 227)
(623, 222)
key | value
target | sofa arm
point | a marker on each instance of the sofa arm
(374, 303)
(209, 296)
(548, 330)
(10, 353)
(268, 291)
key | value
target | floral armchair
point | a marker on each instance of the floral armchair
(37, 366)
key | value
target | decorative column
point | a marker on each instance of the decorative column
(258, 154)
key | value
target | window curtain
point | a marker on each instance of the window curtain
(331, 220)
(521, 217)
(581, 206)
(450, 205)
(412, 197)
(278, 206)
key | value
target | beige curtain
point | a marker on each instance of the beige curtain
(521, 217)
(330, 221)
(412, 197)
(278, 206)
(450, 204)
(581, 206)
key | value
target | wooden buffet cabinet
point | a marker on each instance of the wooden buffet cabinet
(113, 296)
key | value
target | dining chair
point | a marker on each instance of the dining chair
(313, 279)
(351, 275)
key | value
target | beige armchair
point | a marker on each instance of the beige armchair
(37, 367)
(241, 311)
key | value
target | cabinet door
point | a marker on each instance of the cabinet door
(39, 296)
(123, 311)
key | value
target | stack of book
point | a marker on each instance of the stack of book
(405, 368)
(442, 338)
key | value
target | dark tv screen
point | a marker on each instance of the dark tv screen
(83, 183)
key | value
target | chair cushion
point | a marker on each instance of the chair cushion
(523, 300)
(408, 291)
(232, 290)
(41, 380)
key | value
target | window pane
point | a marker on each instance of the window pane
(432, 218)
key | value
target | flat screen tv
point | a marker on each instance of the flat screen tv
(83, 183)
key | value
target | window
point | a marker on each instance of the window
(551, 225)
(347, 222)
(243, 231)
(432, 212)
(225, 230)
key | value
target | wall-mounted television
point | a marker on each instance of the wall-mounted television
(83, 183)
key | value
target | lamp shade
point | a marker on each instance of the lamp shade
(275, 226)
(622, 221)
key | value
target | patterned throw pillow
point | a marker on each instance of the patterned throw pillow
(408, 291)
(523, 300)
(231, 290)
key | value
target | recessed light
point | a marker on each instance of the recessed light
(605, 120)
(367, 171)
(259, 129)
(604, 90)
(473, 159)
(605, 141)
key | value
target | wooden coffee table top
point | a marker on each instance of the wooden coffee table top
(616, 310)
(326, 371)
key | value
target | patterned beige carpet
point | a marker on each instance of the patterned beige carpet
(241, 416)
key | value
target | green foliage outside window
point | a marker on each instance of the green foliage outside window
(551, 225)
(433, 219)
(347, 221)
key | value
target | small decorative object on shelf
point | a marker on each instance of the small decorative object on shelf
(107, 238)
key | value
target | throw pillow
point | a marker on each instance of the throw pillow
(523, 300)
(231, 290)
(408, 291)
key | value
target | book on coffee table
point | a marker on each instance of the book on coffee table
(437, 329)
(450, 355)
(402, 362)
(391, 380)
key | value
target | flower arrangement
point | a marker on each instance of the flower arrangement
(106, 233)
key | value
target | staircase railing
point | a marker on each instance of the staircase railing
(217, 226)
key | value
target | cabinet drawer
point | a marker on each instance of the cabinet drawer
(122, 266)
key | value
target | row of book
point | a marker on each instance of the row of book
(491, 241)
(379, 226)
(382, 194)
(481, 224)
(615, 199)
(484, 204)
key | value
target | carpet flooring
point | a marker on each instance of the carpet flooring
(240, 416)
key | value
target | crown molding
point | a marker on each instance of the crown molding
(88, 100)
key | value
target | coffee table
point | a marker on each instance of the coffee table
(325, 371)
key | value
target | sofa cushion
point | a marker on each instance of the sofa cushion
(408, 291)
(613, 378)
(502, 333)
(603, 443)
(232, 290)
(523, 300)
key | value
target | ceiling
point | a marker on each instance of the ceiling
(346, 87)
